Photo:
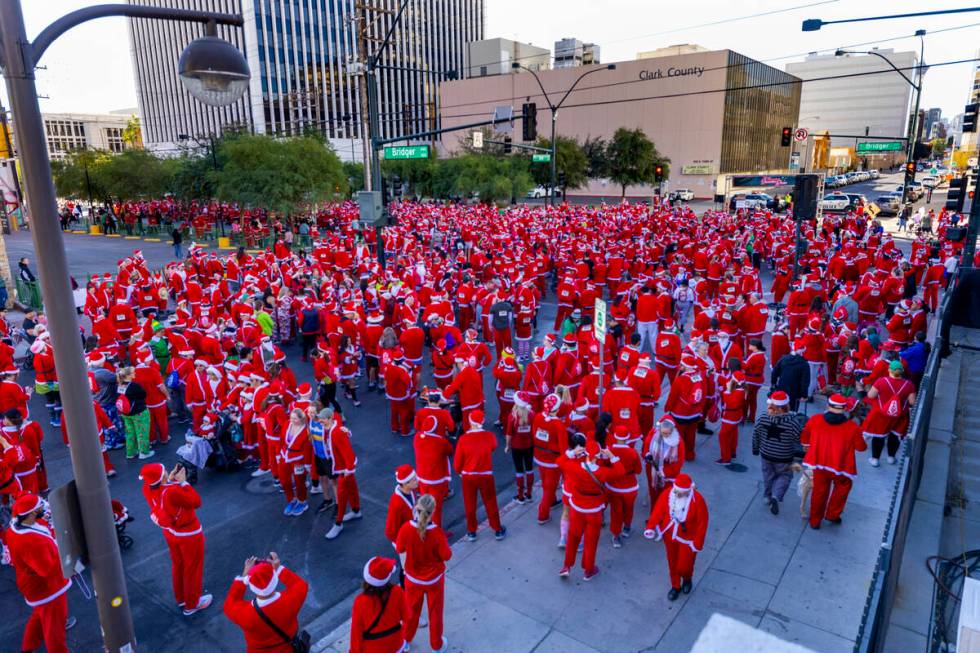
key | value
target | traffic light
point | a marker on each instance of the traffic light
(507, 147)
(658, 173)
(970, 117)
(787, 136)
(530, 122)
(956, 195)
(909, 172)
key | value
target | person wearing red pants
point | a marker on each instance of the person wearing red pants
(550, 437)
(433, 453)
(508, 377)
(622, 490)
(663, 453)
(149, 377)
(685, 403)
(177, 515)
(400, 392)
(831, 440)
(585, 481)
(680, 518)
(733, 411)
(423, 549)
(36, 561)
(468, 382)
(474, 464)
(755, 375)
(295, 460)
(274, 420)
(343, 465)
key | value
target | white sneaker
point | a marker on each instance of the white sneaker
(561, 543)
(874, 462)
(201, 605)
(334, 531)
(149, 454)
(260, 472)
(316, 489)
(891, 460)
(352, 514)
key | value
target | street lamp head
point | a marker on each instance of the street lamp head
(213, 71)
(920, 32)
(840, 53)
(611, 66)
(812, 24)
(515, 65)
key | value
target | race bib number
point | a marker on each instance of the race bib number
(624, 413)
(665, 343)
(697, 395)
(894, 408)
(509, 394)
(542, 434)
(641, 372)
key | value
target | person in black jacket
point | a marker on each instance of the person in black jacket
(792, 375)
(776, 437)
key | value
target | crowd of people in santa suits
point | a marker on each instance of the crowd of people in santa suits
(691, 341)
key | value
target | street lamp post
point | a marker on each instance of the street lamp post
(553, 108)
(913, 124)
(211, 73)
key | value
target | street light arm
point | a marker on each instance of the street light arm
(888, 61)
(575, 83)
(373, 60)
(547, 99)
(68, 21)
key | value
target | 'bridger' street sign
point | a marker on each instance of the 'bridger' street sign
(407, 152)
(880, 146)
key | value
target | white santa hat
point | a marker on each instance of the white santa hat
(263, 579)
(378, 571)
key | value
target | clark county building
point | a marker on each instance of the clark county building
(709, 112)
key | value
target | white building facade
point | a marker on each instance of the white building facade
(65, 132)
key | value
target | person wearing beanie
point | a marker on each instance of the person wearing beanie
(831, 440)
(680, 518)
(30, 543)
(792, 375)
(776, 438)
(402, 501)
(623, 489)
(891, 398)
(380, 613)
(269, 621)
(473, 462)
(550, 436)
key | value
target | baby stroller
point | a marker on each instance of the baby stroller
(121, 517)
(214, 446)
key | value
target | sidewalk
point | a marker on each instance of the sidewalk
(770, 572)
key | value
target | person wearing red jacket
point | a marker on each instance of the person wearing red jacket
(271, 605)
(433, 455)
(402, 501)
(550, 441)
(538, 381)
(380, 614)
(517, 432)
(46, 378)
(16, 455)
(733, 399)
(176, 513)
(685, 403)
(680, 518)
(831, 440)
(147, 374)
(622, 490)
(37, 566)
(623, 403)
(295, 459)
(646, 381)
(12, 394)
(585, 481)
(123, 318)
(508, 377)
(434, 400)
(343, 465)
(647, 316)
(754, 368)
(934, 277)
(469, 384)
(443, 362)
(663, 455)
(424, 550)
(891, 398)
(473, 462)
(668, 351)
(400, 392)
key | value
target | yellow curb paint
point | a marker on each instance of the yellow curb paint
(153, 240)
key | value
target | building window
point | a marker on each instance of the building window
(64, 136)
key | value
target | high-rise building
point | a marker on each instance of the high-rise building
(856, 95)
(495, 56)
(932, 117)
(300, 54)
(570, 52)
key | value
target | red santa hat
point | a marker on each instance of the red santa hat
(581, 406)
(378, 571)
(621, 432)
(263, 579)
(304, 389)
(95, 359)
(778, 398)
(739, 377)
(26, 504)
(470, 334)
(814, 324)
(430, 424)
(683, 482)
(668, 324)
(551, 403)
(668, 419)
(508, 363)
(476, 418)
(522, 399)
(689, 360)
(404, 474)
(538, 353)
(837, 401)
(569, 341)
(644, 359)
(152, 473)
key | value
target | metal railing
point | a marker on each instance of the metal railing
(29, 293)
(884, 581)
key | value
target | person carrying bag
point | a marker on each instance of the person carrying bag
(267, 619)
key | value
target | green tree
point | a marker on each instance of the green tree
(633, 158)
(570, 163)
(138, 174)
(286, 176)
(81, 174)
(595, 150)
(355, 175)
(132, 134)
(493, 179)
(194, 178)
(938, 147)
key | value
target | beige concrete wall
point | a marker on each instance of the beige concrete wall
(687, 128)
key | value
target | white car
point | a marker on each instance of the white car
(683, 194)
(835, 202)
(538, 192)
(930, 182)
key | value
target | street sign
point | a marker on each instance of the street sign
(477, 140)
(600, 321)
(800, 134)
(407, 152)
(880, 146)
(540, 158)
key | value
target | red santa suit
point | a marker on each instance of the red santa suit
(473, 462)
(646, 381)
(399, 390)
(425, 569)
(585, 482)
(685, 403)
(833, 440)
(400, 504)
(295, 458)
(343, 464)
(623, 403)
(433, 454)
(281, 607)
(622, 490)
(469, 384)
(550, 441)
(177, 515)
(508, 378)
(680, 517)
(378, 622)
(668, 353)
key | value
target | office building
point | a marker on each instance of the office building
(680, 102)
(495, 56)
(570, 53)
(300, 53)
(65, 132)
(932, 118)
(856, 95)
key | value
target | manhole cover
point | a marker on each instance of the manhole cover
(737, 467)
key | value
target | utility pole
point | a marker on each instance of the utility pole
(5, 127)
(364, 110)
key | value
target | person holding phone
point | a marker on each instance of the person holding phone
(269, 621)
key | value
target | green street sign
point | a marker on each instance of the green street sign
(407, 152)
(880, 146)
(540, 158)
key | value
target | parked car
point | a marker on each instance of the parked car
(930, 182)
(766, 200)
(889, 203)
(857, 199)
(914, 193)
(682, 194)
(539, 192)
(874, 174)
(835, 202)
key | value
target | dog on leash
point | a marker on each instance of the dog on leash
(804, 487)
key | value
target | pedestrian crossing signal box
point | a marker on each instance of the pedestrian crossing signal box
(371, 208)
(66, 517)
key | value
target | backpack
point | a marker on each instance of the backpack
(173, 380)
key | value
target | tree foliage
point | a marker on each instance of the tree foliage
(132, 134)
(128, 175)
(81, 173)
(570, 163)
(633, 158)
(285, 176)
(595, 150)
